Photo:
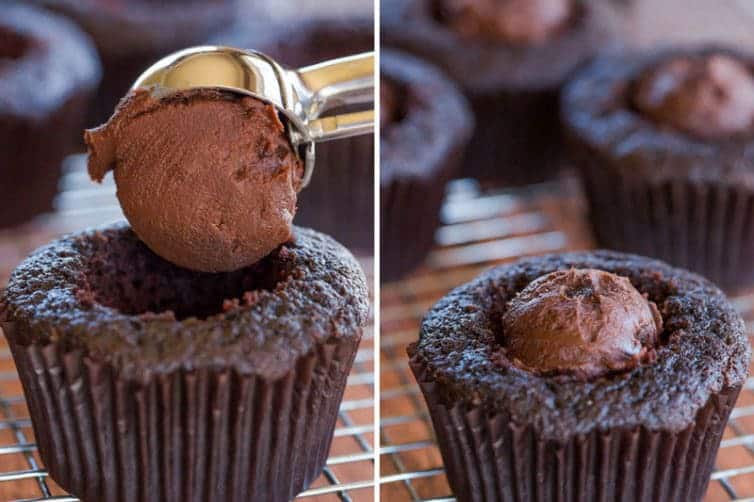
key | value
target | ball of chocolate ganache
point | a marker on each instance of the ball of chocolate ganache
(207, 178)
(710, 96)
(582, 322)
(513, 21)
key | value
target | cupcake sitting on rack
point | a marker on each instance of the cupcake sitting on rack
(585, 376)
(202, 352)
(511, 58)
(665, 146)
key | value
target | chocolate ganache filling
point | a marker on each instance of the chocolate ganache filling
(522, 22)
(208, 179)
(581, 322)
(710, 97)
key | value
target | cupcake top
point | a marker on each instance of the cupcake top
(493, 45)
(628, 367)
(675, 113)
(44, 61)
(104, 292)
(582, 322)
(424, 119)
(207, 178)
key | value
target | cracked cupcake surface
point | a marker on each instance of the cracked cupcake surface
(207, 178)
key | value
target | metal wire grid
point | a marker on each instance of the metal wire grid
(349, 475)
(481, 229)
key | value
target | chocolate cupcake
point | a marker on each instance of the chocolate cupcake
(425, 125)
(665, 146)
(48, 70)
(132, 34)
(511, 58)
(343, 181)
(587, 376)
(147, 381)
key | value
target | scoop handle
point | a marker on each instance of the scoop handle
(340, 83)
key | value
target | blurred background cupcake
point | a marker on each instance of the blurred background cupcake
(48, 71)
(131, 34)
(665, 146)
(425, 126)
(511, 58)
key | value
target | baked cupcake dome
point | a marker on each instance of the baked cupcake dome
(131, 35)
(343, 181)
(48, 71)
(513, 88)
(654, 189)
(425, 126)
(647, 433)
(152, 382)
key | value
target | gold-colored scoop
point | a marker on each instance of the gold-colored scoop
(301, 95)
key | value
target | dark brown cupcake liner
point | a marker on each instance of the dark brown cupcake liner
(422, 146)
(207, 434)
(41, 148)
(490, 458)
(518, 139)
(37, 130)
(701, 225)
(410, 218)
(339, 200)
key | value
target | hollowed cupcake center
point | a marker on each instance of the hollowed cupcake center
(13, 45)
(134, 281)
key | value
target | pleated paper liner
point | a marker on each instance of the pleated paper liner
(29, 183)
(517, 139)
(492, 459)
(184, 436)
(408, 223)
(339, 201)
(703, 226)
(410, 216)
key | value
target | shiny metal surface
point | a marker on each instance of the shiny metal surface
(302, 95)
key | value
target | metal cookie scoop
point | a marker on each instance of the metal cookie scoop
(302, 95)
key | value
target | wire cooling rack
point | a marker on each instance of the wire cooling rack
(349, 475)
(480, 229)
